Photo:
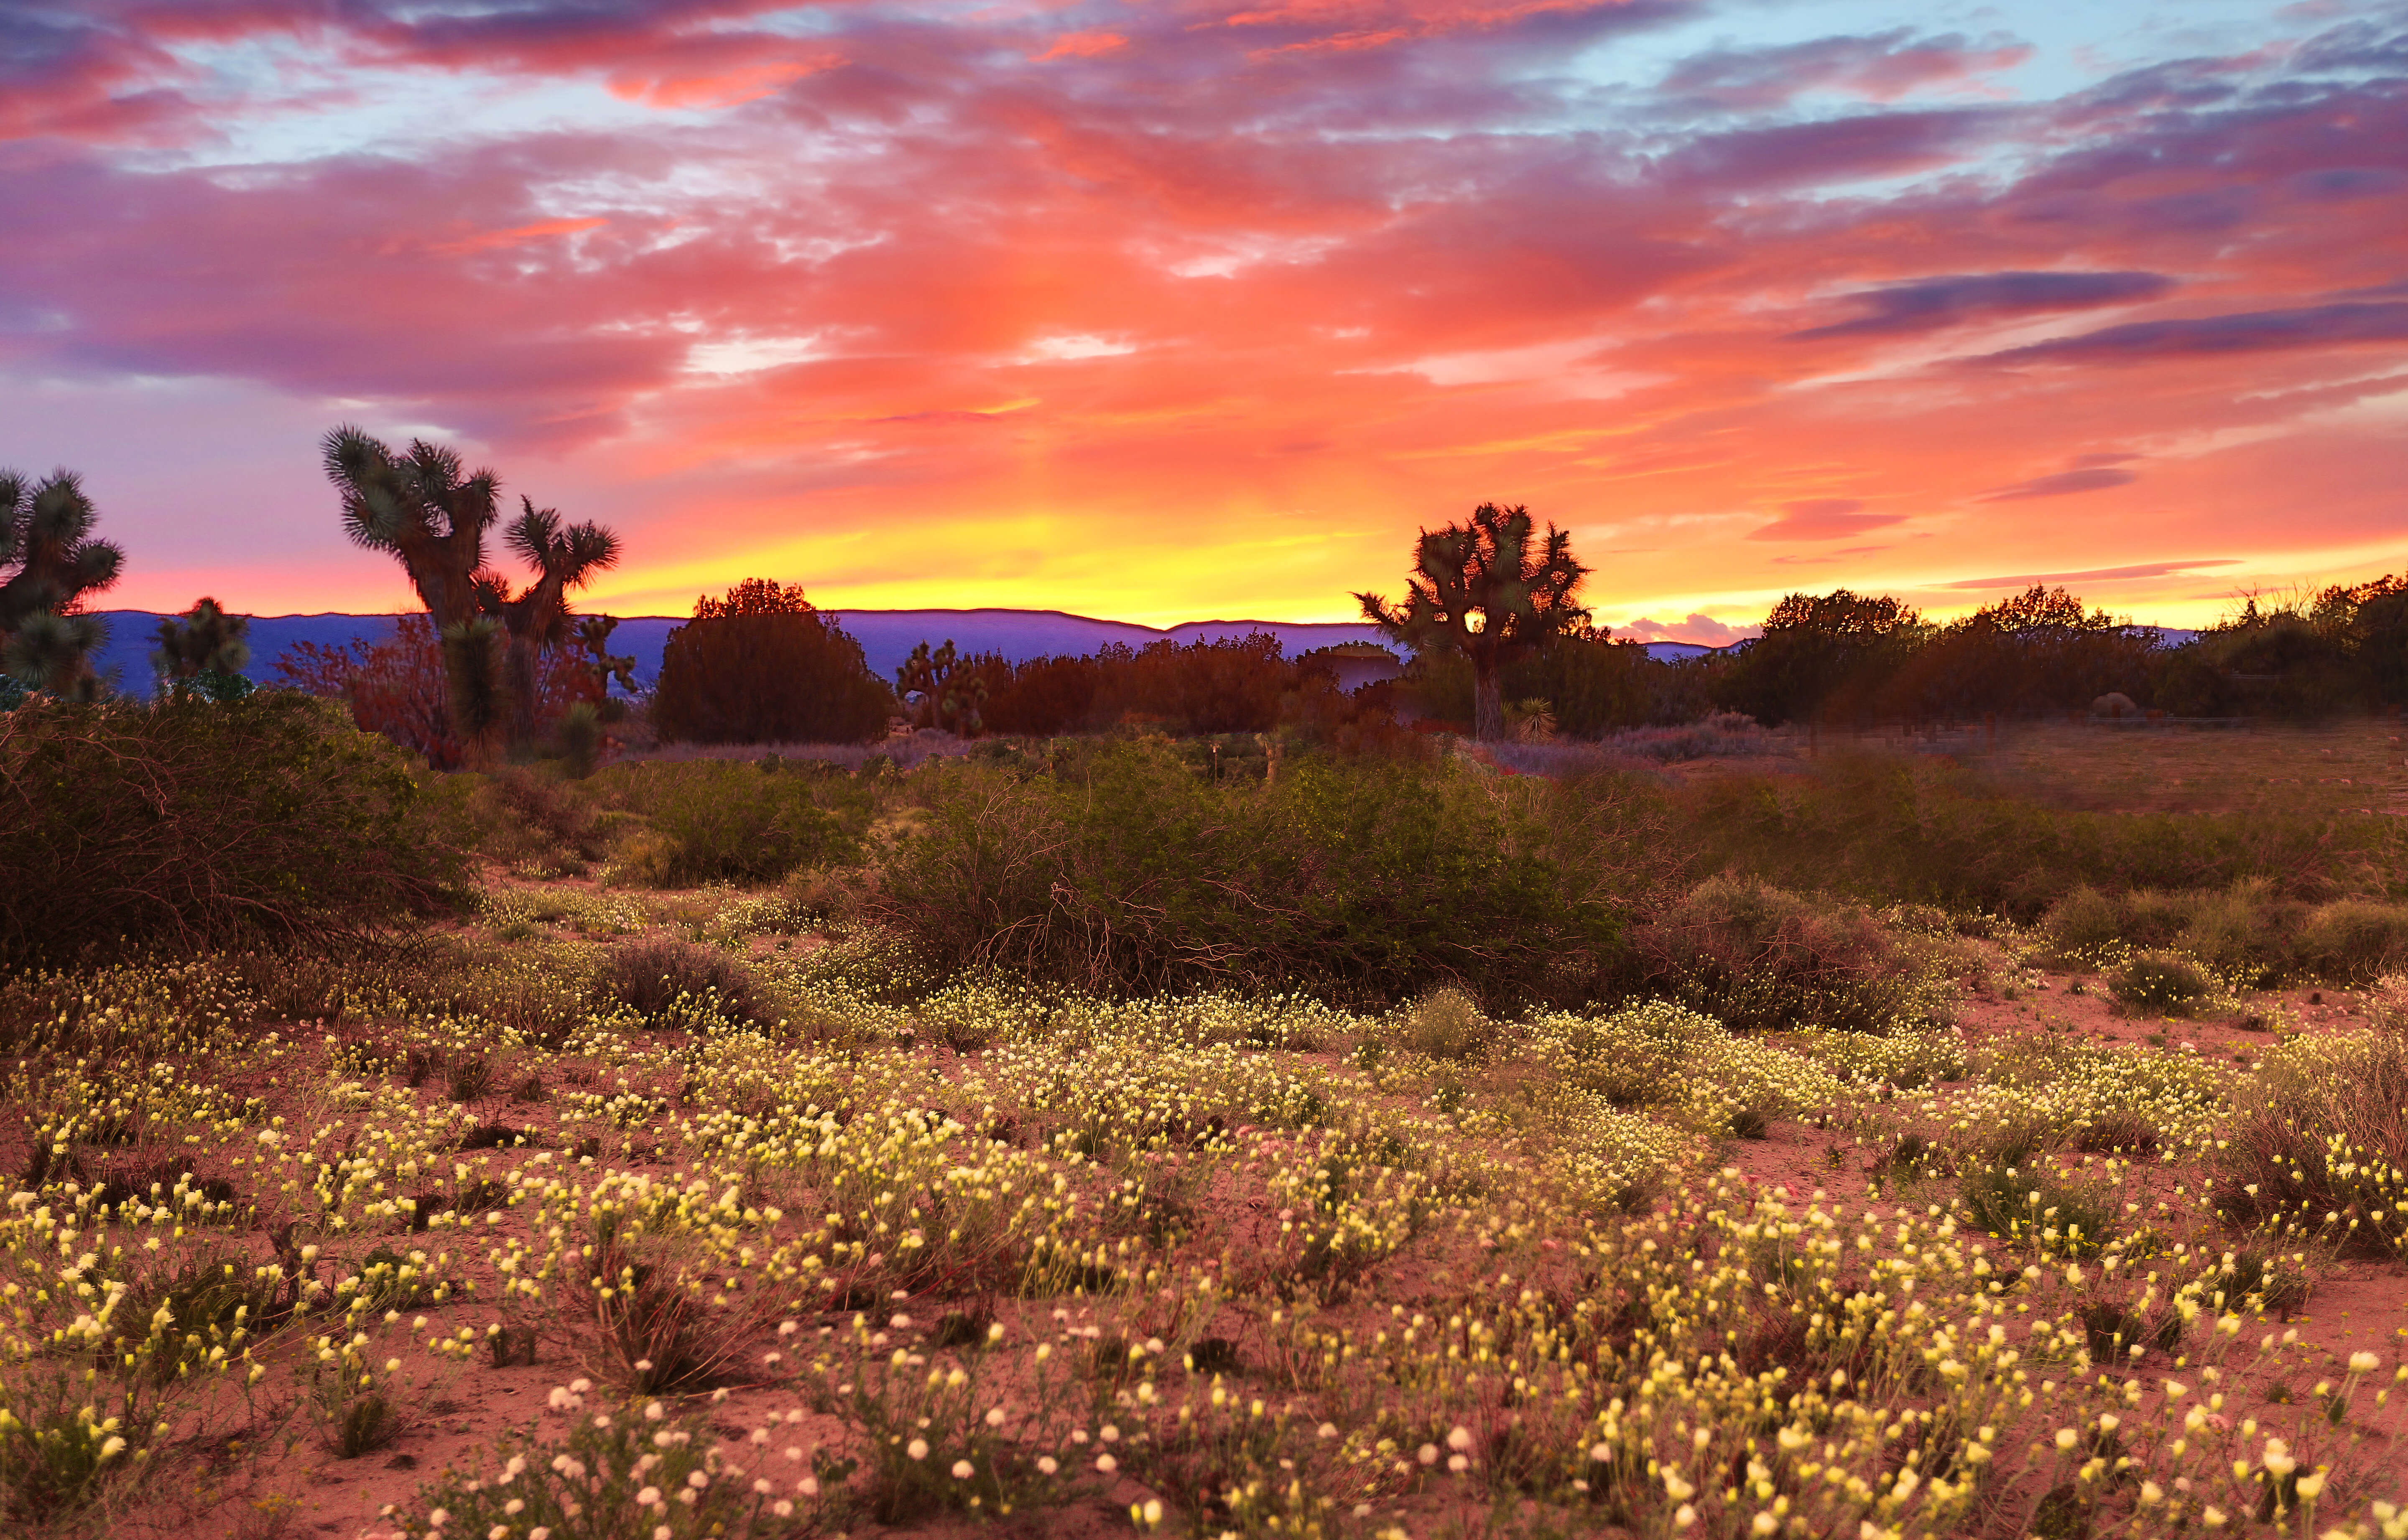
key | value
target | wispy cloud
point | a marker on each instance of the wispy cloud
(1824, 519)
(2062, 484)
(2247, 332)
(2097, 574)
(868, 294)
(1929, 304)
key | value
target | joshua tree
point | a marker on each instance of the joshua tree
(419, 508)
(593, 635)
(205, 639)
(46, 535)
(1479, 589)
(422, 509)
(943, 689)
(53, 652)
(562, 559)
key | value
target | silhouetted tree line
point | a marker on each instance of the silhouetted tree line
(1490, 617)
(764, 665)
(1843, 657)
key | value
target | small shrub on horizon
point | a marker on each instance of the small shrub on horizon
(764, 665)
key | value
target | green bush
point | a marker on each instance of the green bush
(2163, 982)
(1359, 879)
(1889, 829)
(1448, 1024)
(524, 819)
(657, 977)
(2033, 1206)
(2243, 930)
(721, 820)
(2354, 940)
(2321, 1145)
(2084, 921)
(765, 666)
(1759, 958)
(188, 823)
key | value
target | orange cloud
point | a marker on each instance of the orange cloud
(493, 240)
(1081, 44)
(714, 72)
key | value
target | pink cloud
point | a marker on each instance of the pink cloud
(1081, 44)
(1695, 630)
(1824, 519)
(880, 297)
(1880, 68)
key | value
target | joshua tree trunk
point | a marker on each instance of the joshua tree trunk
(475, 663)
(520, 690)
(1487, 702)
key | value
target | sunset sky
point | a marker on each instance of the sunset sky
(1200, 309)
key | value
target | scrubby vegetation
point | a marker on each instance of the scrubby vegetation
(1364, 882)
(1302, 1142)
(194, 822)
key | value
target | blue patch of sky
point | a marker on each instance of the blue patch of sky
(278, 100)
(2073, 44)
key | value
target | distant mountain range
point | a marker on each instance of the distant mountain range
(887, 637)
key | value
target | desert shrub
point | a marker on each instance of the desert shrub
(1893, 828)
(763, 666)
(588, 1482)
(394, 687)
(1364, 880)
(659, 975)
(2243, 931)
(2254, 1278)
(582, 740)
(2031, 1205)
(1661, 1055)
(1586, 684)
(1720, 735)
(397, 687)
(2086, 920)
(2321, 1147)
(2039, 1092)
(1044, 696)
(1759, 958)
(356, 1414)
(656, 1330)
(65, 1441)
(1447, 1024)
(1906, 1060)
(722, 820)
(2162, 983)
(188, 822)
(524, 819)
(2386, 1002)
(1232, 685)
(2246, 929)
(2352, 940)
